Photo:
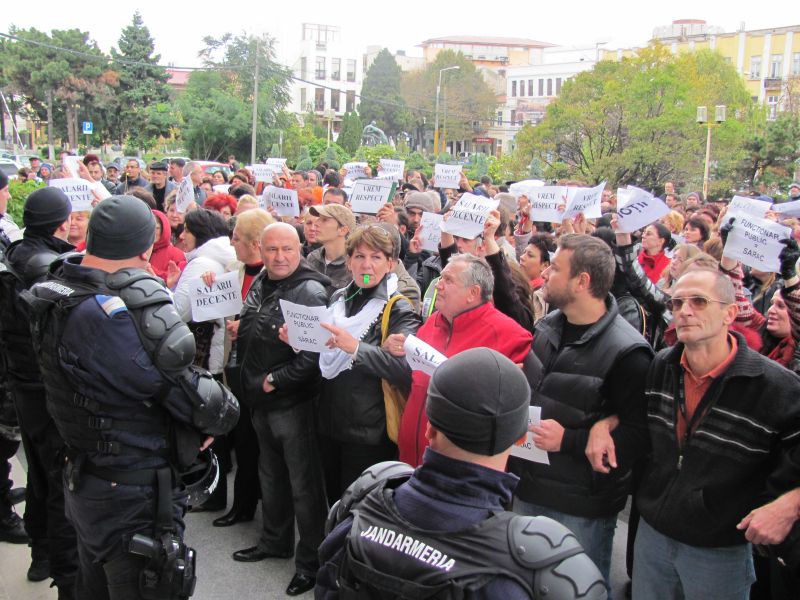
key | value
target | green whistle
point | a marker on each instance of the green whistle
(366, 279)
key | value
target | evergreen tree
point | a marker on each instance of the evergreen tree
(350, 135)
(304, 163)
(381, 100)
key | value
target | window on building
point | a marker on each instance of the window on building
(499, 118)
(541, 87)
(549, 87)
(796, 63)
(558, 85)
(335, 100)
(513, 117)
(530, 87)
(772, 107)
(513, 88)
(351, 70)
(303, 99)
(755, 67)
(336, 69)
(319, 72)
(319, 99)
(350, 101)
(303, 68)
(776, 65)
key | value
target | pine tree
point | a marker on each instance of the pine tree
(350, 136)
(381, 99)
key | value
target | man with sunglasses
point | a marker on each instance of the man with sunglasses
(724, 429)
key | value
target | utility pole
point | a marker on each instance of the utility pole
(51, 150)
(255, 107)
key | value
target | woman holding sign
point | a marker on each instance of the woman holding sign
(352, 416)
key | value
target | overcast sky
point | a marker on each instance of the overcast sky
(178, 27)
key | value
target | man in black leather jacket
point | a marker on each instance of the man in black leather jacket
(280, 387)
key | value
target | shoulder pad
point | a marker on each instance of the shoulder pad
(38, 266)
(138, 288)
(391, 473)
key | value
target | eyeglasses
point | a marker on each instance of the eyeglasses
(696, 302)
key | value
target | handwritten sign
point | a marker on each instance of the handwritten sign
(304, 326)
(448, 176)
(277, 164)
(467, 217)
(756, 242)
(284, 201)
(369, 195)
(355, 170)
(222, 299)
(79, 192)
(743, 206)
(642, 209)
(525, 449)
(421, 356)
(431, 233)
(392, 169)
(548, 203)
(586, 201)
(263, 173)
(185, 195)
(788, 209)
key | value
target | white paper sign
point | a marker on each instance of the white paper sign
(185, 195)
(223, 188)
(548, 203)
(421, 356)
(284, 201)
(467, 217)
(640, 211)
(304, 326)
(263, 173)
(448, 176)
(756, 242)
(523, 188)
(277, 164)
(586, 201)
(789, 209)
(743, 206)
(79, 192)
(100, 190)
(369, 195)
(220, 300)
(431, 233)
(71, 162)
(526, 450)
(355, 170)
(625, 195)
(392, 169)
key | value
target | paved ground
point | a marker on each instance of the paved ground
(219, 576)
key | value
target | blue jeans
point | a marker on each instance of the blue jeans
(595, 535)
(665, 569)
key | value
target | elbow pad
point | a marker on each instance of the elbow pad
(215, 410)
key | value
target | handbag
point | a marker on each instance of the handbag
(394, 400)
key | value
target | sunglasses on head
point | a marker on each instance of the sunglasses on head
(696, 303)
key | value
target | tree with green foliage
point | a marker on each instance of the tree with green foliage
(373, 154)
(350, 135)
(304, 162)
(332, 156)
(19, 191)
(381, 98)
(772, 149)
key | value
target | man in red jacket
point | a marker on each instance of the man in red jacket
(465, 318)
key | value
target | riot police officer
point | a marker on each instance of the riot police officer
(115, 359)
(442, 531)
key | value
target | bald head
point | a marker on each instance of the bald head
(280, 250)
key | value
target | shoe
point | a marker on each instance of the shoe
(12, 530)
(39, 570)
(231, 518)
(300, 584)
(16, 495)
(254, 555)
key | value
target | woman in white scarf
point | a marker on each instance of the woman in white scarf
(352, 417)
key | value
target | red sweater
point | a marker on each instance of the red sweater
(483, 326)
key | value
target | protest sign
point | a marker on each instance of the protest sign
(284, 201)
(548, 203)
(421, 356)
(100, 190)
(392, 169)
(787, 209)
(468, 215)
(369, 195)
(79, 192)
(222, 188)
(624, 195)
(586, 201)
(744, 206)
(304, 326)
(430, 233)
(525, 449)
(276, 164)
(263, 173)
(355, 170)
(447, 176)
(221, 299)
(642, 209)
(523, 188)
(756, 243)
(71, 162)
(185, 195)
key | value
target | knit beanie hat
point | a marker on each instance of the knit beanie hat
(46, 209)
(420, 200)
(479, 399)
(120, 227)
(3, 180)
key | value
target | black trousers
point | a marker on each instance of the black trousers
(345, 461)
(246, 488)
(8, 449)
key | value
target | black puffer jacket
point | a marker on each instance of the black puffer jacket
(261, 351)
(351, 404)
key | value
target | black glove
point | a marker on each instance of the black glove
(725, 230)
(788, 257)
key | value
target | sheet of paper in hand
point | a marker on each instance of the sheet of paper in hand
(431, 232)
(523, 188)
(79, 192)
(304, 326)
(262, 172)
(369, 195)
(744, 206)
(277, 164)
(392, 169)
(185, 195)
(217, 301)
(284, 201)
(71, 162)
(756, 243)
(642, 209)
(447, 176)
(421, 356)
(468, 215)
(548, 203)
(788, 209)
(525, 449)
(586, 201)
(355, 170)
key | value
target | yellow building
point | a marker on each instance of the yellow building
(767, 59)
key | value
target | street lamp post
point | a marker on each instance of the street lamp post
(702, 118)
(436, 124)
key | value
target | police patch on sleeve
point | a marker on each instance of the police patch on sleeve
(111, 305)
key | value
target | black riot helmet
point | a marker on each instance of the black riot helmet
(201, 478)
